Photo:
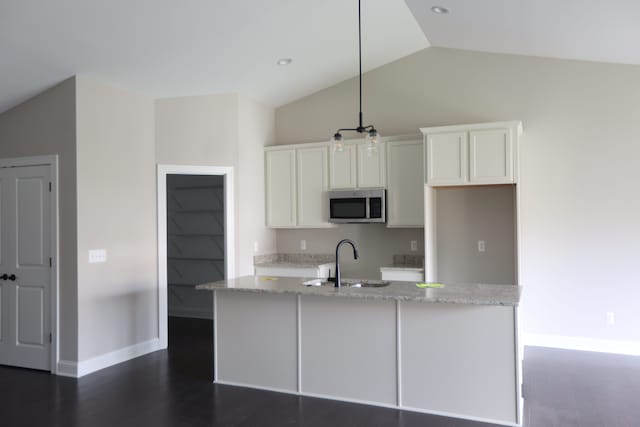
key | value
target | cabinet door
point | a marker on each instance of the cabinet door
(371, 166)
(491, 156)
(446, 158)
(405, 179)
(280, 177)
(313, 183)
(343, 167)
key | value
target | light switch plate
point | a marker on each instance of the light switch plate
(97, 255)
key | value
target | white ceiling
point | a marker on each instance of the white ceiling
(593, 30)
(168, 48)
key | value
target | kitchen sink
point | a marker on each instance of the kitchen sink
(351, 283)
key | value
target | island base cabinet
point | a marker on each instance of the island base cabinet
(348, 349)
(255, 340)
(460, 360)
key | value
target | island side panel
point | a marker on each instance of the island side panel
(256, 340)
(460, 360)
(348, 349)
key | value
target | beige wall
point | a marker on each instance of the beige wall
(223, 130)
(376, 246)
(44, 125)
(117, 304)
(580, 232)
(466, 215)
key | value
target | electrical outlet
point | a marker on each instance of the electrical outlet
(414, 245)
(97, 255)
(481, 246)
(611, 318)
(255, 246)
(303, 245)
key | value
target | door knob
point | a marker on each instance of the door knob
(12, 277)
(4, 276)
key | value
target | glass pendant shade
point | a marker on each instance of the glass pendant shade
(337, 142)
(372, 139)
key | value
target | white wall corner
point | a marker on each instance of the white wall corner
(631, 348)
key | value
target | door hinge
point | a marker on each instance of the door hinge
(50, 262)
(50, 186)
(50, 337)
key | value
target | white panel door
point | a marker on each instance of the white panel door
(25, 267)
(446, 158)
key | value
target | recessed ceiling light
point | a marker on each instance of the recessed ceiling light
(439, 10)
(285, 61)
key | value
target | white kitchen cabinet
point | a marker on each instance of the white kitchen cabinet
(405, 188)
(343, 167)
(296, 180)
(312, 166)
(371, 166)
(478, 154)
(397, 274)
(280, 179)
(356, 167)
(319, 271)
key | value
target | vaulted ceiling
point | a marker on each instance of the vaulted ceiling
(166, 48)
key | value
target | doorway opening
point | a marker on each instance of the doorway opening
(195, 245)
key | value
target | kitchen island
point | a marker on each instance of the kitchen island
(450, 351)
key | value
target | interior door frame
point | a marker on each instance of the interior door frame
(52, 162)
(229, 234)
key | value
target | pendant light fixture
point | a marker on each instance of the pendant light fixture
(372, 137)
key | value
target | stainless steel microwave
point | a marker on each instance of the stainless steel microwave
(357, 206)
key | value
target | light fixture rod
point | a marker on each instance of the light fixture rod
(360, 61)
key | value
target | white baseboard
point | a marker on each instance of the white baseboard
(67, 369)
(583, 344)
(85, 367)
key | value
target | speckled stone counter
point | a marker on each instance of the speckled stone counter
(481, 294)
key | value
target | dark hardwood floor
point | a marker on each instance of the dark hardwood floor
(173, 388)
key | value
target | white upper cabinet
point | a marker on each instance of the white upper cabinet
(297, 180)
(446, 158)
(280, 177)
(477, 154)
(313, 183)
(371, 166)
(356, 167)
(405, 181)
(343, 167)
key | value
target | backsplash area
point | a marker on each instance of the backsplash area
(376, 243)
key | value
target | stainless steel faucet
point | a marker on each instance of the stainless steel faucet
(355, 256)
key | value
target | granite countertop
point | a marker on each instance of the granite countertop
(293, 260)
(474, 293)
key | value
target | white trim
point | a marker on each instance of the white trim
(163, 171)
(67, 368)
(368, 402)
(398, 355)
(54, 250)
(631, 348)
(299, 343)
(97, 363)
